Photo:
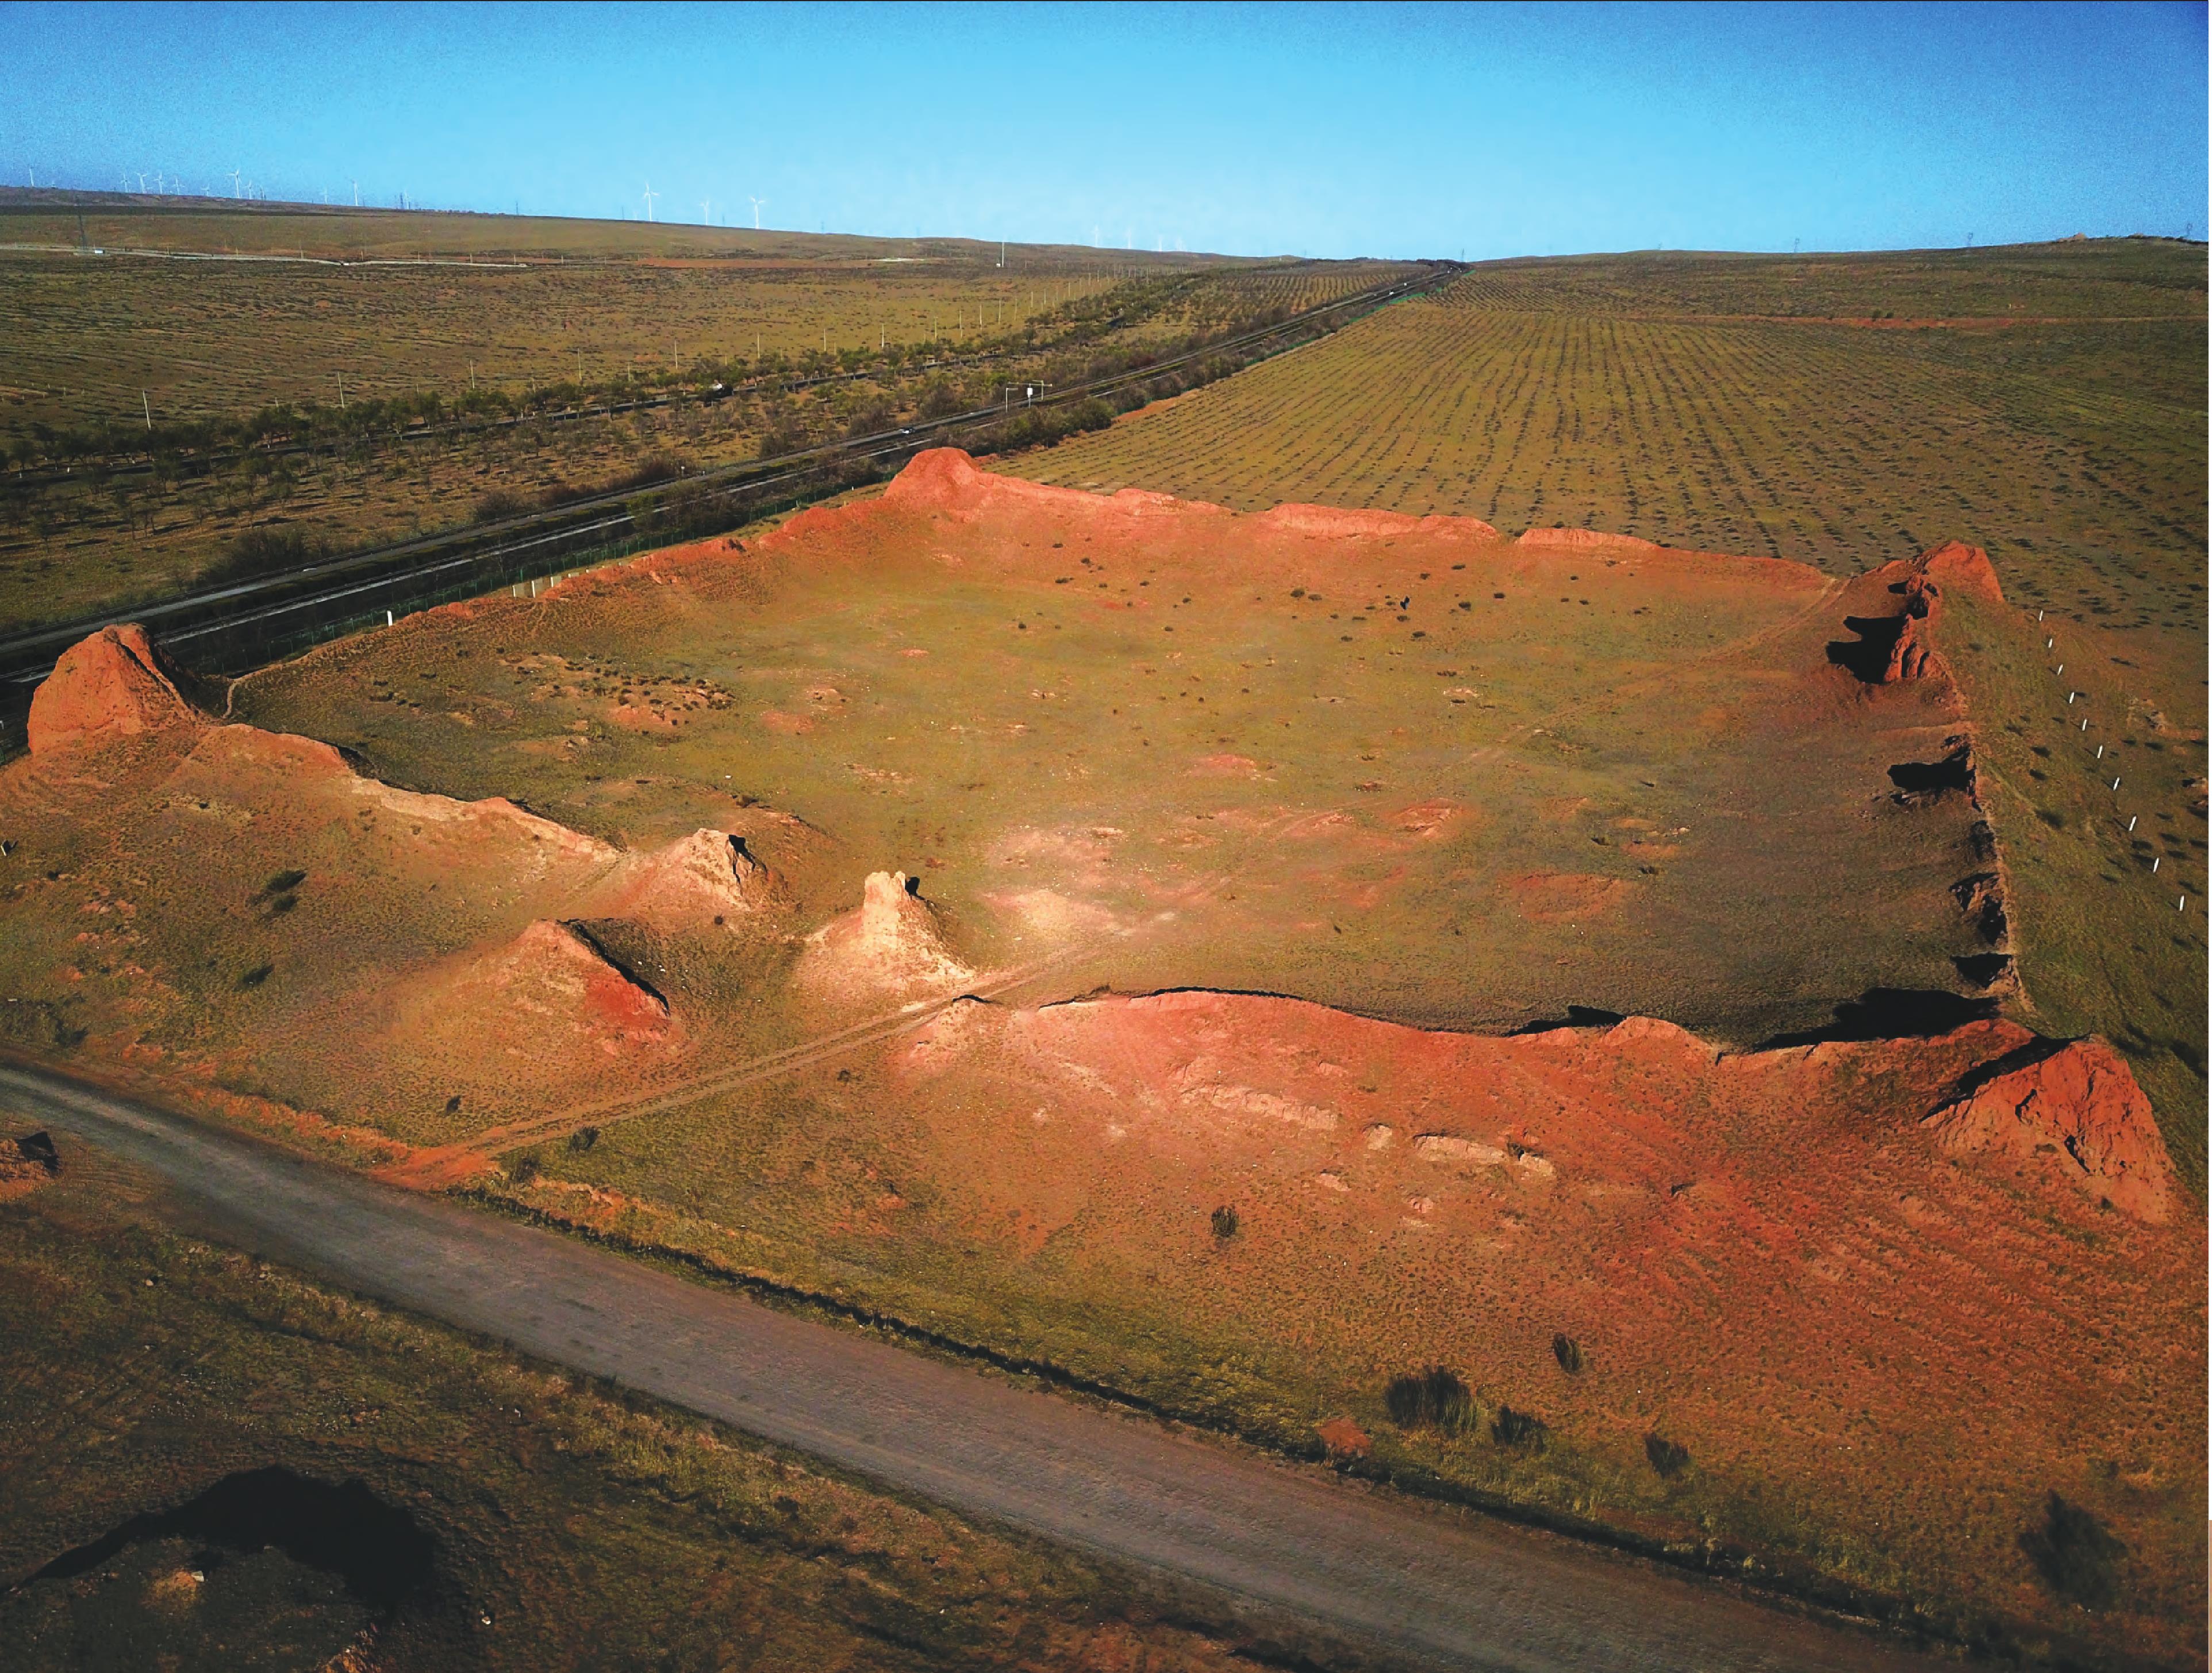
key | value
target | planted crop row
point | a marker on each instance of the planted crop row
(1836, 446)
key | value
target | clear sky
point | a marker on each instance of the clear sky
(1372, 130)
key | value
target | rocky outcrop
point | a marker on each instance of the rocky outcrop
(2078, 1109)
(109, 686)
(1922, 582)
(706, 880)
(892, 945)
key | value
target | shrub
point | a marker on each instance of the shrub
(1568, 1353)
(2074, 1553)
(1512, 1428)
(1669, 1459)
(265, 551)
(1224, 1222)
(940, 400)
(1435, 1399)
(523, 1168)
(257, 975)
(500, 504)
(283, 883)
(583, 1139)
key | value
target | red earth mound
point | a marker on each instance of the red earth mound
(1330, 522)
(553, 987)
(1906, 596)
(2078, 1113)
(111, 685)
(705, 879)
(892, 945)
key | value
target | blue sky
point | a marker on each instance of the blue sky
(1433, 130)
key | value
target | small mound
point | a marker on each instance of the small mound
(25, 1164)
(1901, 647)
(1566, 896)
(936, 477)
(550, 990)
(705, 879)
(2080, 1108)
(891, 945)
(1964, 568)
(112, 685)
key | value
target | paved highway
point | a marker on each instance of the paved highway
(1434, 1587)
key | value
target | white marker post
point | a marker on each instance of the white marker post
(2116, 784)
(2131, 822)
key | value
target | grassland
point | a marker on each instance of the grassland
(2046, 403)
(160, 411)
(1417, 773)
(570, 1526)
(1423, 774)
(2054, 414)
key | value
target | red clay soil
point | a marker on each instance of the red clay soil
(1906, 1286)
(109, 686)
(2077, 1111)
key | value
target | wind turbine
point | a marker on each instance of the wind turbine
(758, 204)
(356, 194)
(707, 211)
(650, 194)
(233, 182)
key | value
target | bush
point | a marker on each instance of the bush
(265, 551)
(940, 400)
(1668, 1458)
(523, 1168)
(1224, 1222)
(1568, 1353)
(2075, 1555)
(1513, 1428)
(257, 975)
(500, 504)
(583, 1139)
(1434, 1399)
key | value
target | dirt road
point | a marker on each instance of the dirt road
(1433, 1587)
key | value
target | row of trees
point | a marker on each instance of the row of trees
(1066, 337)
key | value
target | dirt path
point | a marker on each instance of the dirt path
(1437, 1588)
